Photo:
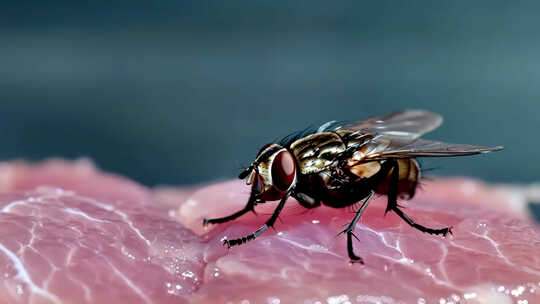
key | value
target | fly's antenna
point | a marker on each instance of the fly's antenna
(246, 172)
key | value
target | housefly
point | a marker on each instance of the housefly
(339, 165)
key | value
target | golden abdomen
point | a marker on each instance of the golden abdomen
(409, 175)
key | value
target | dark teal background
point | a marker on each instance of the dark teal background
(184, 92)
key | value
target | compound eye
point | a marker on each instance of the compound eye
(283, 170)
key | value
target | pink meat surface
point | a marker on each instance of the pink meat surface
(72, 234)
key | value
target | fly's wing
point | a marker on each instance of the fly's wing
(397, 136)
(407, 125)
(426, 148)
(390, 136)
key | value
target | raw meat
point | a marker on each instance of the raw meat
(72, 234)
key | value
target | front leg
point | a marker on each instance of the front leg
(269, 223)
(249, 207)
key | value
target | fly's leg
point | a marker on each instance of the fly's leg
(393, 187)
(392, 205)
(254, 235)
(249, 207)
(443, 231)
(349, 230)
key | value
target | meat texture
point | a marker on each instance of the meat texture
(72, 234)
(88, 237)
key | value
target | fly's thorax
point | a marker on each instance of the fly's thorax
(319, 151)
(316, 152)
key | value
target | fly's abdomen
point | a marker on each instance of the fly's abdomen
(409, 175)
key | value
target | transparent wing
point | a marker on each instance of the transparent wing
(397, 136)
(428, 148)
(409, 124)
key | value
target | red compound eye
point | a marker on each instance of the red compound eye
(283, 170)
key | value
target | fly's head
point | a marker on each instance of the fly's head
(272, 174)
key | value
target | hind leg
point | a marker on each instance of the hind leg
(393, 206)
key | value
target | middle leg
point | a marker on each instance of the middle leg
(349, 230)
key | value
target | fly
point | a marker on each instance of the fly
(339, 165)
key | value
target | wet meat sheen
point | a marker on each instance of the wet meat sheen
(72, 234)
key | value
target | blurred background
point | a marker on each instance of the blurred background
(177, 92)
